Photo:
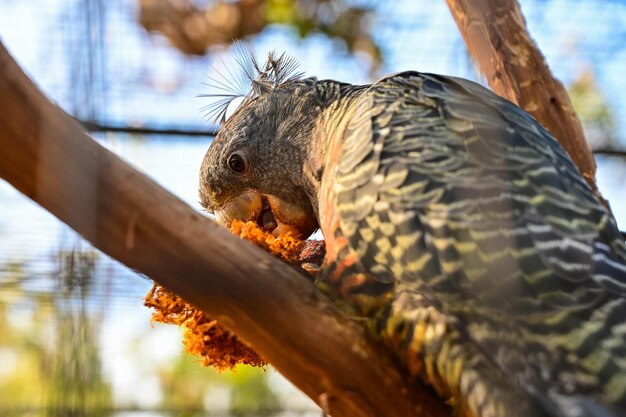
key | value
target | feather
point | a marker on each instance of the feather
(245, 78)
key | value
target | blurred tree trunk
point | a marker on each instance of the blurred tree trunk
(497, 38)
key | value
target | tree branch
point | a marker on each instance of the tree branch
(497, 38)
(47, 156)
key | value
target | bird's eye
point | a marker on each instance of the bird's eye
(236, 163)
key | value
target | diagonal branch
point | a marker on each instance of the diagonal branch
(497, 38)
(47, 156)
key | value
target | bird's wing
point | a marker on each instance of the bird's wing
(450, 192)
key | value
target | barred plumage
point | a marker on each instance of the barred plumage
(456, 225)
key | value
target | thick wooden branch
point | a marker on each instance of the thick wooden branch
(497, 38)
(48, 157)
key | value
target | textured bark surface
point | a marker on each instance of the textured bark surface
(497, 38)
(48, 157)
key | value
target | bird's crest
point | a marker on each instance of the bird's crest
(248, 80)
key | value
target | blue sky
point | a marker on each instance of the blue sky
(141, 80)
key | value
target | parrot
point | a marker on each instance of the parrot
(457, 230)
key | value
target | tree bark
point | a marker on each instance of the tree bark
(497, 38)
(48, 157)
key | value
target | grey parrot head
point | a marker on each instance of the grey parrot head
(253, 170)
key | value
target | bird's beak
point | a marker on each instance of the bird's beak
(270, 212)
(246, 206)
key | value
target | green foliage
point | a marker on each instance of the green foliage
(593, 110)
(251, 394)
(190, 389)
(49, 343)
(194, 29)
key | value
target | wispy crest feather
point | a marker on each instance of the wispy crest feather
(248, 81)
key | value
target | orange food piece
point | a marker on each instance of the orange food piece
(205, 337)
(286, 246)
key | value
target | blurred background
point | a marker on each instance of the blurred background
(75, 339)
